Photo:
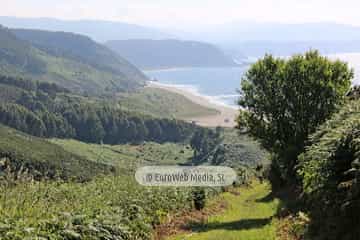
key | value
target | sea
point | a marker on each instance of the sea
(221, 85)
(218, 85)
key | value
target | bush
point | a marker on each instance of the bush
(330, 169)
(199, 197)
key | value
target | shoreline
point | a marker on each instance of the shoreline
(165, 69)
(226, 115)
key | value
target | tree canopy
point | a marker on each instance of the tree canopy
(47, 110)
(284, 101)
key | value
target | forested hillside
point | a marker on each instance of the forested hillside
(18, 54)
(79, 48)
(91, 68)
(47, 110)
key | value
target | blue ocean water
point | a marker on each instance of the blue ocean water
(218, 84)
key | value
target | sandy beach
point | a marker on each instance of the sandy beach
(225, 118)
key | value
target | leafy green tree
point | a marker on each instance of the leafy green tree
(286, 100)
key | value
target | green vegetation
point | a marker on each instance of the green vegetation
(107, 208)
(330, 170)
(299, 110)
(240, 150)
(41, 159)
(18, 54)
(205, 142)
(47, 110)
(249, 216)
(162, 103)
(82, 78)
(61, 188)
(86, 69)
(227, 147)
(286, 100)
(129, 156)
(79, 48)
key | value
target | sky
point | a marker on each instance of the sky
(189, 13)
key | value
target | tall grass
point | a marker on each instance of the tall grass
(112, 207)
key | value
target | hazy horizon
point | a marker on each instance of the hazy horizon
(187, 14)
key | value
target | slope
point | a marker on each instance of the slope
(79, 48)
(20, 58)
(21, 152)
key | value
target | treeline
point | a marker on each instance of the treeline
(49, 88)
(47, 110)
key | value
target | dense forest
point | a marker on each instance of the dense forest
(47, 110)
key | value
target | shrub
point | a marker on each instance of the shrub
(330, 169)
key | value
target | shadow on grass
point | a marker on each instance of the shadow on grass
(244, 224)
(268, 198)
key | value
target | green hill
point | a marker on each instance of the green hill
(79, 48)
(72, 61)
(128, 156)
(19, 151)
(18, 54)
(48, 110)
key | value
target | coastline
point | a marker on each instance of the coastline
(225, 118)
(166, 69)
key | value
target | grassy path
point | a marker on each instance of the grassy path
(248, 217)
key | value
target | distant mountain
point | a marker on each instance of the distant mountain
(235, 32)
(155, 54)
(100, 31)
(256, 39)
(79, 48)
(72, 61)
(281, 48)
